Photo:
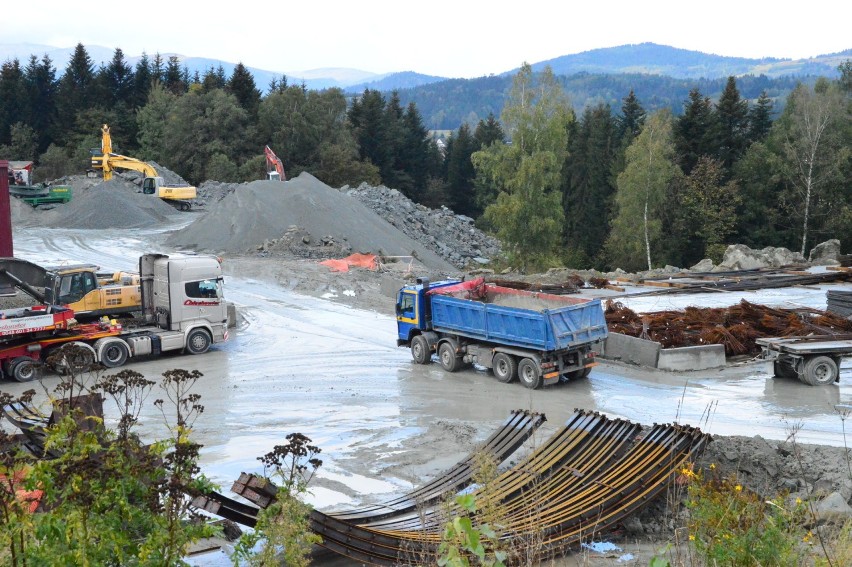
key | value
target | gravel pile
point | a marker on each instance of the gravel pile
(451, 236)
(254, 214)
(111, 204)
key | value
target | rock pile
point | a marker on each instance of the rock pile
(451, 236)
(253, 215)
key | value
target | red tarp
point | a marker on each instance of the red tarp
(355, 260)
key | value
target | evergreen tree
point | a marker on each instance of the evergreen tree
(118, 80)
(158, 69)
(278, 85)
(143, 78)
(369, 127)
(173, 78)
(632, 118)
(732, 119)
(527, 214)
(42, 86)
(589, 186)
(760, 118)
(14, 99)
(695, 131)
(75, 88)
(845, 80)
(489, 131)
(418, 153)
(460, 173)
(242, 86)
(214, 79)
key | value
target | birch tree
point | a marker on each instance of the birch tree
(812, 145)
(527, 214)
(641, 193)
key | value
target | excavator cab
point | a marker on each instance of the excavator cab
(149, 185)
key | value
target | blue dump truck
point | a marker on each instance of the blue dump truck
(538, 338)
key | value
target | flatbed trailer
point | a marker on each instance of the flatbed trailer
(814, 360)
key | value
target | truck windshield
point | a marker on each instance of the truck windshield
(204, 289)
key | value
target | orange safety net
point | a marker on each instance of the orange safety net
(355, 260)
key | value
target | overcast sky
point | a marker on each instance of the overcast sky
(458, 38)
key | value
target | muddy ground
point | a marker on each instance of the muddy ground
(315, 352)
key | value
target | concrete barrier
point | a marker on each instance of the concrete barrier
(632, 350)
(649, 353)
(692, 357)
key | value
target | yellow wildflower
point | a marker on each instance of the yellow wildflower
(738, 488)
(691, 537)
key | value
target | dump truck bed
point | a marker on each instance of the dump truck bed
(506, 316)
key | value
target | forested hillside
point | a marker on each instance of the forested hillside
(585, 171)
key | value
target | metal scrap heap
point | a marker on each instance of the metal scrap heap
(736, 327)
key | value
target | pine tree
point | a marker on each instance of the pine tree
(461, 174)
(760, 118)
(173, 78)
(118, 80)
(42, 86)
(589, 187)
(242, 85)
(15, 99)
(143, 78)
(732, 118)
(695, 131)
(489, 131)
(632, 118)
(74, 94)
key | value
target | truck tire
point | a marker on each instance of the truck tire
(24, 369)
(420, 350)
(579, 374)
(447, 355)
(198, 341)
(819, 371)
(529, 373)
(112, 352)
(72, 358)
(784, 370)
(505, 367)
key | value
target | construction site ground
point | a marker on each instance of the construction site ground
(314, 352)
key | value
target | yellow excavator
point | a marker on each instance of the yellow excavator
(178, 195)
(81, 287)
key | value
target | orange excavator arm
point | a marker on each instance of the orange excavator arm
(273, 163)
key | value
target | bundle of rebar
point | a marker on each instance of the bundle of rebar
(735, 327)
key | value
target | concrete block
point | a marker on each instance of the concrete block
(631, 349)
(692, 357)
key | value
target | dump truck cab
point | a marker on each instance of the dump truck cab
(413, 315)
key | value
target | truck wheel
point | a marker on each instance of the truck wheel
(529, 373)
(112, 352)
(24, 369)
(784, 370)
(447, 355)
(72, 358)
(505, 367)
(198, 341)
(420, 350)
(579, 374)
(819, 371)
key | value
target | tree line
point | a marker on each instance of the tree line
(609, 188)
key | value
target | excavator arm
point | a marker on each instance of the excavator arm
(273, 163)
(108, 161)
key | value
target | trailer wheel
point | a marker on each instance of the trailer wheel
(112, 352)
(505, 367)
(420, 350)
(198, 341)
(447, 355)
(819, 371)
(784, 370)
(529, 373)
(72, 358)
(24, 369)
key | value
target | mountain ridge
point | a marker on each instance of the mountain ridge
(647, 58)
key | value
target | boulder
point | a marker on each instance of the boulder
(825, 253)
(705, 265)
(833, 507)
(741, 257)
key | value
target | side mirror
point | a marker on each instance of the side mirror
(398, 309)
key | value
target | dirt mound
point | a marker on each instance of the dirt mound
(112, 204)
(262, 211)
